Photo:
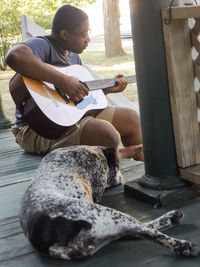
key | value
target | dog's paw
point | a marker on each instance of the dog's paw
(176, 217)
(187, 249)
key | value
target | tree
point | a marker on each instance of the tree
(9, 26)
(40, 11)
(112, 37)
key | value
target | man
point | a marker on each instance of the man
(108, 127)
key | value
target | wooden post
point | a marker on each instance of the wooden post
(183, 64)
(181, 87)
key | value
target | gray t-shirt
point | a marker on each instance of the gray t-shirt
(43, 47)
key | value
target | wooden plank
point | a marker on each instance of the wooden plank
(182, 92)
(16, 250)
(195, 41)
(191, 174)
(198, 99)
(196, 27)
(19, 246)
(195, 32)
(16, 165)
(10, 226)
(182, 12)
(10, 198)
(197, 67)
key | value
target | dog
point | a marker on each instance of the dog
(60, 214)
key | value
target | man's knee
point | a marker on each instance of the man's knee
(126, 114)
(99, 132)
(113, 138)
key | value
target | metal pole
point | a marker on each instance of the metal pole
(154, 102)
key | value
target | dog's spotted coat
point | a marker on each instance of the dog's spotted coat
(60, 215)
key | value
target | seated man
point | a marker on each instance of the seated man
(107, 127)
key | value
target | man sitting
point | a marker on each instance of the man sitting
(107, 127)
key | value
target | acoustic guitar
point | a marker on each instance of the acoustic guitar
(48, 111)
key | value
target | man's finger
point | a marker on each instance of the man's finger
(84, 89)
(120, 76)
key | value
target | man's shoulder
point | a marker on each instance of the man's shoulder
(40, 47)
(37, 40)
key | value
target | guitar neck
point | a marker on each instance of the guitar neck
(105, 83)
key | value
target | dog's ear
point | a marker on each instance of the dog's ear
(110, 155)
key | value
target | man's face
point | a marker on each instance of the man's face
(78, 39)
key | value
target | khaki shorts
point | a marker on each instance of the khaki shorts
(31, 142)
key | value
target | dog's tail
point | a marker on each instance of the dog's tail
(44, 231)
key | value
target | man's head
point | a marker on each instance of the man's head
(71, 25)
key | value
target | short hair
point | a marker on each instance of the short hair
(68, 17)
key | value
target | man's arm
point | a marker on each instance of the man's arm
(22, 60)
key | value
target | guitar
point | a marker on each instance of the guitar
(48, 111)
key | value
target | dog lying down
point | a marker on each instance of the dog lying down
(60, 215)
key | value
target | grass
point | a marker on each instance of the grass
(8, 104)
(98, 58)
(104, 67)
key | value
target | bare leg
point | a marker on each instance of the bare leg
(127, 123)
(98, 132)
(125, 128)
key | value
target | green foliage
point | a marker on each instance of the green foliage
(9, 26)
(40, 11)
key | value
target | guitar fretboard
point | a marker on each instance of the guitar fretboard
(105, 83)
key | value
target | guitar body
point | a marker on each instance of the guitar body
(45, 111)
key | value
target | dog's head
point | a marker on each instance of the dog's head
(114, 174)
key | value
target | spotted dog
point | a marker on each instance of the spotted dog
(60, 215)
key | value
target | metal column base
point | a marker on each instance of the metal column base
(161, 192)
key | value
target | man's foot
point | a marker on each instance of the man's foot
(133, 151)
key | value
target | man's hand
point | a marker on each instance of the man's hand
(75, 90)
(120, 85)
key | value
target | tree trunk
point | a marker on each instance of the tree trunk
(112, 37)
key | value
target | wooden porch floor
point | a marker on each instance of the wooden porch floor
(16, 169)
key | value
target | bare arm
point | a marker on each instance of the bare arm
(22, 60)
